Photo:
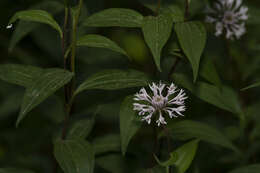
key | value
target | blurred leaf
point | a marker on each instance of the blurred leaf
(208, 71)
(257, 84)
(23, 28)
(37, 16)
(115, 17)
(186, 154)
(14, 170)
(157, 31)
(188, 129)
(173, 158)
(113, 80)
(156, 169)
(192, 37)
(129, 122)
(74, 156)
(44, 86)
(23, 75)
(224, 98)
(93, 40)
(10, 104)
(81, 129)
(106, 143)
(113, 163)
(175, 12)
(247, 169)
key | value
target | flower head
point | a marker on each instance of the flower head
(229, 16)
(163, 100)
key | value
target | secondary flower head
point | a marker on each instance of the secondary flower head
(164, 100)
(229, 16)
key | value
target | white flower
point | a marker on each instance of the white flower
(229, 16)
(9, 26)
(163, 100)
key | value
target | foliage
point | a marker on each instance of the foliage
(69, 71)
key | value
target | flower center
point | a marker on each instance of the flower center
(229, 17)
(158, 101)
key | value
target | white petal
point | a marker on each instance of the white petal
(9, 26)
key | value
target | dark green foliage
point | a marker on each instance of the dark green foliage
(72, 93)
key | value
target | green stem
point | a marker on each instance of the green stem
(69, 89)
(186, 14)
(74, 36)
(158, 6)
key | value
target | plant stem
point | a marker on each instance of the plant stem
(173, 67)
(186, 14)
(169, 169)
(69, 89)
(158, 6)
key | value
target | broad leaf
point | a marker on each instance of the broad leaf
(247, 169)
(106, 143)
(23, 75)
(192, 38)
(44, 86)
(113, 80)
(175, 12)
(157, 31)
(74, 156)
(186, 154)
(37, 16)
(23, 28)
(81, 129)
(129, 122)
(224, 97)
(93, 40)
(257, 84)
(113, 163)
(14, 170)
(188, 129)
(115, 17)
(173, 158)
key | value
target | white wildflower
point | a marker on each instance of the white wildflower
(229, 16)
(9, 26)
(163, 100)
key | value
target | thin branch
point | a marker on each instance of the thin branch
(158, 6)
(186, 14)
(173, 67)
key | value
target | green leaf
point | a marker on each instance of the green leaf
(23, 75)
(81, 129)
(188, 129)
(115, 17)
(224, 97)
(175, 12)
(14, 170)
(208, 71)
(173, 158)
(107, 143)
(113, 80)
(186, 154)
(113, 163)
(37, 16)
(247, 169)
(157, 31)
(192, 37)
(75, 156)
(93, 40)
(23, 28)
(129, 122)
(44, 86)
(257, 84)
